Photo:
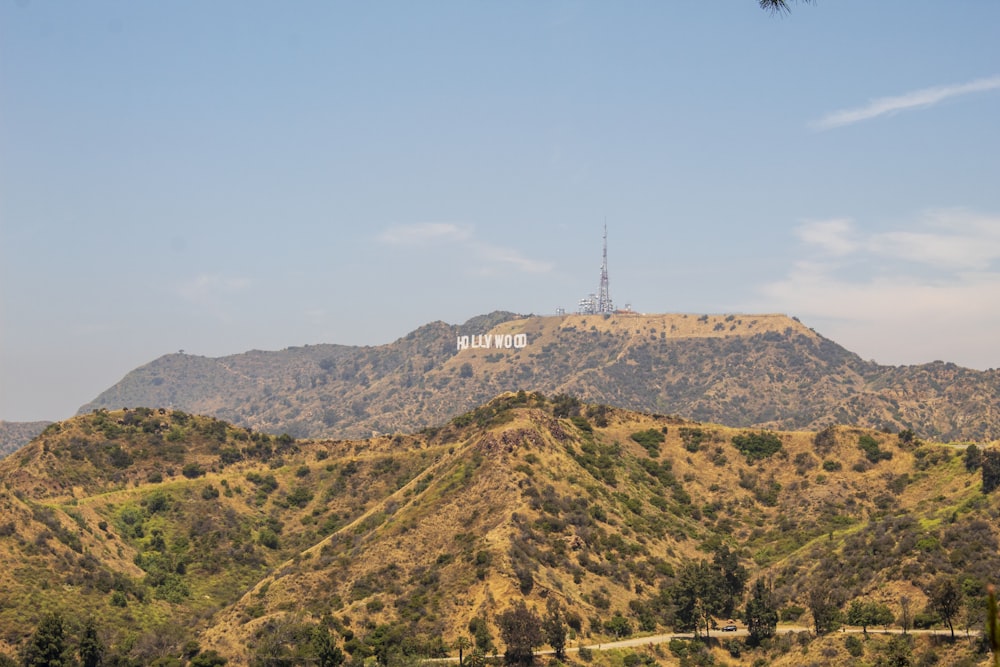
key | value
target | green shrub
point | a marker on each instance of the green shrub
(300, 496)
(157, 501)
(192, 470)
(757, 446)
(268, 538)
(873, 452)
(650, 439)
(925, 619)
(825, 439)
(692, 438)
(791, 613)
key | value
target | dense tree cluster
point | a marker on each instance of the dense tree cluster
(705, 590)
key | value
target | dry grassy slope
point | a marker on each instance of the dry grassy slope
(741, 370)
(489, 494)
(421, 559)
(160, 510)
(425, 532)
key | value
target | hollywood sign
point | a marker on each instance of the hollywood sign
(493, 341)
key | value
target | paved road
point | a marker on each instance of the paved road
(718, 634)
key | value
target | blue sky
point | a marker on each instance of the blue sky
(225, 176)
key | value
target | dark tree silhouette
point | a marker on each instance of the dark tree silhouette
(697, 594)
(732, 579)
(554, 627)
(521, 631)
(868, 612)
(461, 644)
(824, 603)
(777, 6)
(990, 461)
(328, 654)
(91, 649)
(761, 616)
(47, 646)
(481, 634)
(946, 599)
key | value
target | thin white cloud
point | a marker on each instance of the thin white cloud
(955, 240)
(491, 259)
(423, 233)
(833, 236)
(952, 240)
(500, 256)
(930, 292)
(208, 288)
(925, 97)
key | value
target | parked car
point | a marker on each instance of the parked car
(729, 628)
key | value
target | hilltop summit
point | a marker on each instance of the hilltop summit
(740, 370)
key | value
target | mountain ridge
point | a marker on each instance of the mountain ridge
(742, 370)
(14, 435)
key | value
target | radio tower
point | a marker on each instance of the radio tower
(604, 304)
(600, 303)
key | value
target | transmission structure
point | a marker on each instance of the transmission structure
(600, 303)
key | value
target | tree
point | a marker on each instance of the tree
(482, 636)
(973, 458)
(761, 616)
(388, 643)
(777, 6)
(732, 579)
(461, 644)
(905, 617)
(990, 461)
(697, 594)
(868, 612)
(477, 658)
(91, 649)
(898, 652)
(565, 405)
(824, 603)
(554, 626)
(992, 624)
(946, 599)
(618, 625)
(47, 646)
(328, 654)
(521, 631)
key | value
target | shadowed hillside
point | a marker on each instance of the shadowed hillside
(740, 370)
(14, 435)
(168, 527)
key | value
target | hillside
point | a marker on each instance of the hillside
(170, 528)
(740, 370)
(14, 435)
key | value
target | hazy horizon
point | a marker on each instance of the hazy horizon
(232, 176)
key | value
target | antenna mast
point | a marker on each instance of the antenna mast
(600, 303)
(604, 304)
